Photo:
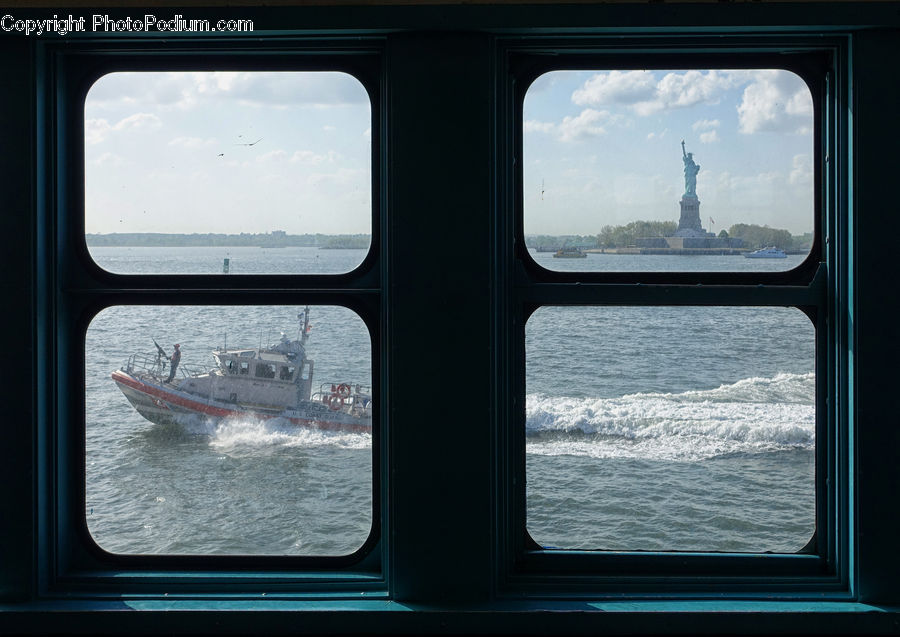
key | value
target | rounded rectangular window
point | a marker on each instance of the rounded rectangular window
(190, 449)
(670, 428)
(669, 170)
(228, 172)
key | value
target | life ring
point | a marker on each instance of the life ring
(344, 390)
(335, 402)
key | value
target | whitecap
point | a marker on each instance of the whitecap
(249, 433)
(753, 415)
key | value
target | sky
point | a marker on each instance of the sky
(169, 152)
(604, 148)
(165, 152)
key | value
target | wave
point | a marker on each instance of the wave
(246, 433)
(753, 415)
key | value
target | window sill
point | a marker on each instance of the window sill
(268, 615)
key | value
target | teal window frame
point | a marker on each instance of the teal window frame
(83, 289)
(820, 568)
(452, 556)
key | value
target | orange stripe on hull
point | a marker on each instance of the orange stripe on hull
(191, 405)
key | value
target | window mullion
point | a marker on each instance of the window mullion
(439, 330)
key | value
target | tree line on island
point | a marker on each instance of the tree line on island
(754, 236)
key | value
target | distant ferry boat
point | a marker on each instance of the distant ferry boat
(569, 253)
(770, 252)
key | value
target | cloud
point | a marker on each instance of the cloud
(657, 135)
(709, 137)
(616, 87)
(800, 104)
(273, 156)
(754, 190)
(543, 83)
(313, 159)
(98, 130)
(646, 95)
(694, 87)
(277, 89)
(534, 126)
(117, 90)
(801, 173)
(776, 102)
(191, 142)
(641, 91)
(343, 178)
(108, 159)
(583, 126)
(184, 90)
(773, 100)
(706, 124)
(305, 157)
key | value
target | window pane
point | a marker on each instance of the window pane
(668, 170)
(670, 428)
(205, 173)
(234, 453)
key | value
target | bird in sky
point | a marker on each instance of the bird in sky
(251, 143)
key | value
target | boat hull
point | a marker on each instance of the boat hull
(766, 253)
(162, 403)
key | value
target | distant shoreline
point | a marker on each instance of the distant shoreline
(276, 239)
(681, 251)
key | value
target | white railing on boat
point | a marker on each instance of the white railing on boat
(352, 398)
(157, 367)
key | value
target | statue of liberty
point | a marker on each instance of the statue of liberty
(690, 173)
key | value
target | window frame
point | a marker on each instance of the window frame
(462, 579)
(814, 287)
(81, 289)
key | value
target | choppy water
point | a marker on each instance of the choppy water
(646, 428)
(606, 262)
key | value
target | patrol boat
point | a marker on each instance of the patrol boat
(275, 381)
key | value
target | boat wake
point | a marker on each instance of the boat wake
(753, 415)
(278, 432)
(236, 434)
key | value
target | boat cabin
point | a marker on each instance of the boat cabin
(265, 378)
(280, 375)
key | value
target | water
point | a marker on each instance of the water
(235, 487)
(242, 260)
(673, 428)
(646, 428)
(607, 262)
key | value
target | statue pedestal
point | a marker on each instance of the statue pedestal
(689, 223)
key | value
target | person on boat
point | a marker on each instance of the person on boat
(175, 359)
